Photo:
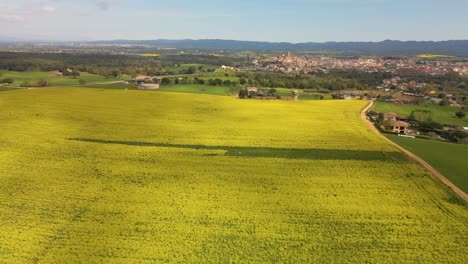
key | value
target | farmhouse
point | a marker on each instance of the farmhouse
(148, 86)
(345, 96)
(142, 79)
(393, 123)
(399, 127)
(224, 67)
(252, 89)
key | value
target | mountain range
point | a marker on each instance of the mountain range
(383, 48)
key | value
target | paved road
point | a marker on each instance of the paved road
(426, 165)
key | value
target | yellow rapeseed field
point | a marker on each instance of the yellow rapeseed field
(433, 56)
(150, 55)
(113, 176)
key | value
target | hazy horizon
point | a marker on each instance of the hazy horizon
(26, 40)
(296, 21)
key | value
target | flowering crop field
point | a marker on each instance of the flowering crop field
(115, 176)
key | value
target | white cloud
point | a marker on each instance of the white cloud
(11, 18)
(48, 9)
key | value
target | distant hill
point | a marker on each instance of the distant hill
(383, 48)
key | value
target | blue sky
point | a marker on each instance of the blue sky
(274, 20)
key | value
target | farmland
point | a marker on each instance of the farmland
(441, 114)
(448, 158)
(34, 76)
(197, 89)
(434, 56)
(228, 91)
(89, 175)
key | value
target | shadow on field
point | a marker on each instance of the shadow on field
(265, 152)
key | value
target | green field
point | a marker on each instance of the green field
(222, 90)
(207, 89)
(33, 77)
(124, 176)
(441, 114)
(448, 158)
(308, 96)
(7, 88)
(196, 89)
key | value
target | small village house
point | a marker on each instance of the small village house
(142, 79)
(399, 127)
(148, 86)
(252, 89)
(391, 122)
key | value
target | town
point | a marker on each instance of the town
(310, 64)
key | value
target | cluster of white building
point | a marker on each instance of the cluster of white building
(290, 63)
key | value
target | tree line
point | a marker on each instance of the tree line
(112, 65)
(330, 82)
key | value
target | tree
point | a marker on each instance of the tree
(25, 84)
(460, 114)
(116, 73)
(42, 83)
(452, 76)
(199, 81)
(227, 83)
(430, 125)
(215, 82)
(75, 74)
(165, 81)
(8, 81)
(272, 92)
(191, 70)
(243, 93)
(82, 82)
(444, 102)
(457, 136)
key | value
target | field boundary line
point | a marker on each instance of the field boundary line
(413, 156)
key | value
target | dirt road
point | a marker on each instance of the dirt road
(426, 165)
